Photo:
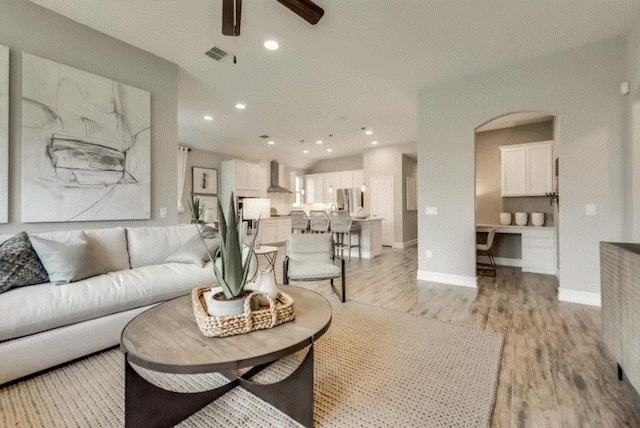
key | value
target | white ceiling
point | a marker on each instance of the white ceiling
(361, 65)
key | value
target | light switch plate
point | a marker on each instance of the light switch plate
(163, 212)
(432, 211)
(429, 254)
(590, 209)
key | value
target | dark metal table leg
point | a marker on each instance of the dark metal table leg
(293, 395)
(620, 373)
(149, 406)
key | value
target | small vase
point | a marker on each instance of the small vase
(505, 219)
(537, 219)
(521, 219)
(265, 284)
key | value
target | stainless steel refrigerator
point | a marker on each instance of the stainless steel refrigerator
(349, 199)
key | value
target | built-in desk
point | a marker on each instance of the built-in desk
(538, 247)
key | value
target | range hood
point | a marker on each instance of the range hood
(275, 180)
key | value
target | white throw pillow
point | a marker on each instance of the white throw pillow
(192, 251)
(66, 261)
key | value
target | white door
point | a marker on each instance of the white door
(539, 170)
(514, 178)
(382, 205)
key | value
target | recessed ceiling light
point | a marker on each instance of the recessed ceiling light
(374, 142)
(241, 106)
(368, 132)
(271, 45)
(305, 151)
(271, 143)
(318, 142)
(329, 150)
(208, 118)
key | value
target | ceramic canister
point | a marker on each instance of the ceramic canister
(521, 219)
(505, 219)
(537, 219)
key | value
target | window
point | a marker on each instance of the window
(299, 191)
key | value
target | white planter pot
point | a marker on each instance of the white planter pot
(222, 308)
(537, 219)
(505, 219)
(522, 219)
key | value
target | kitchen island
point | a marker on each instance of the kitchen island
(370, 237)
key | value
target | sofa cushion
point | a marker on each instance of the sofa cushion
(29, 310)
(108, 246)
(67, 261)
(153, 245)
(19, 264)
(5, 238)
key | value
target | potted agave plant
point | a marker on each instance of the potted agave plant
(196, 210)
(234, 266)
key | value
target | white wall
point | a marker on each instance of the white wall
(387, 161)
(633, 131)
(33, 29)
(581, 88)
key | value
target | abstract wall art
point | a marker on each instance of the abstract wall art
(86, 144)
(204, 181)
(4, 134)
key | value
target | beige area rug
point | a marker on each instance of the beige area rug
(374, 368)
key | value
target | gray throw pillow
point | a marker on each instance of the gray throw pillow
(19, 264)
(67, 261)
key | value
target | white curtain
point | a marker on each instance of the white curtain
(183, 152)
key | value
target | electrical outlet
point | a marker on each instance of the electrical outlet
(429, 254)
(431, 210)
(163, 212)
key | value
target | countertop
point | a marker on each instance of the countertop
(364, 220)
(514, 228)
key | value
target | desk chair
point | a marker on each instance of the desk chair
(310, 257)
(486, 248)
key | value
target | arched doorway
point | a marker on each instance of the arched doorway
(517, 165)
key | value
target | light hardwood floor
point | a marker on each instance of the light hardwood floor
(555, 370)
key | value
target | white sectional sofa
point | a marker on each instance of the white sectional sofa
(44, 325)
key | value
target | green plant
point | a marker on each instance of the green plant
(233, 272)
(196, 209)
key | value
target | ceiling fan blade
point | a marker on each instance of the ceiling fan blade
(305, 9)
(231, 12)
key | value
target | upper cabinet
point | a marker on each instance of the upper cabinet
(527, 169)
(322, 187)
(244, 179)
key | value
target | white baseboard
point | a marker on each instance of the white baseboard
(446, 278)
(501, 261)
(582, 297)
(405, 244)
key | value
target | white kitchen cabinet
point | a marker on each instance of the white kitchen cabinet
(274, 230)
(357, 178)
(539, 251)
(244, 179)
(527, 169)
(314, 188)
(331, 181)
(322, 187)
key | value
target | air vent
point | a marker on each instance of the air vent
(264, 136)
(216, 53)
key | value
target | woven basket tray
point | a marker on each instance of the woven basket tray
(280, 310)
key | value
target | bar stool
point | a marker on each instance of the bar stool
(319, 221)
(486, 247)
(342, 226)
(299, 221)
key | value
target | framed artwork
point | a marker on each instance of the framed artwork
(204, 181)
(86, 144)
(4, 134)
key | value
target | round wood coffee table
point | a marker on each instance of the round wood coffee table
(166, 338)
